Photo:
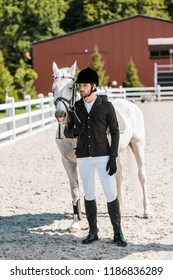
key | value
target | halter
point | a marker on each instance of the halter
(64, 100)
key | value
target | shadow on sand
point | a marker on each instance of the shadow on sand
(30, 236)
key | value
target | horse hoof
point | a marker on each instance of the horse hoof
(74, 227)
(147, 215)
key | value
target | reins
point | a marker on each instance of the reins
(71, 101)
(66, 101)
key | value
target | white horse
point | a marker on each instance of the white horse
(132, 133)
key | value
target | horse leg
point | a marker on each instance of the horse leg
(118, 177)
(137, 148)
(71, 169)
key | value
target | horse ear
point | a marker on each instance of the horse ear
(55, 68)
(73, 68)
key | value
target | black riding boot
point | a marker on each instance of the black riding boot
(115, 217)
(91, 215)
(77, 210)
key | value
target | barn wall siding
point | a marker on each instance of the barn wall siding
(117, 42)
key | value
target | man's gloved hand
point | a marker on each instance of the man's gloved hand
(111, 166)
(79, 129)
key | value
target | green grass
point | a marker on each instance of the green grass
(2, 114)
(17, 111)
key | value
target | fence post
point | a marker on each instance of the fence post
(158, 93)
(123, 91)
(11, 113)
(155, 74)
(28, 110)
(125, 94)
(41, 97)
(51, 104)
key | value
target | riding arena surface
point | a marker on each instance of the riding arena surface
(36, 207)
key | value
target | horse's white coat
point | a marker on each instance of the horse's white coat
(133, 136)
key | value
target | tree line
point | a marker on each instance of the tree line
(25, 22)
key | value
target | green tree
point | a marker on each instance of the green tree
(87, 13)
(23, 22)
(6, 80)
(155, 8)
(169, 8)
(98, 65)
(24, 80)
(132, 78)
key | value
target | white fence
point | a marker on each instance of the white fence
(139, 94)
(15, 124)
(163, 74)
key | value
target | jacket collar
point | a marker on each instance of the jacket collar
(81, 104)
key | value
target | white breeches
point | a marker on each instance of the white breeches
(87, 167)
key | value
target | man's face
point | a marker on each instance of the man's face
(85, 89)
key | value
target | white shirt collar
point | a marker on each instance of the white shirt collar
(88, 105)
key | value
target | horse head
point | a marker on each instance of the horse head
(64, 90)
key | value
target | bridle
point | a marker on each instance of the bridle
(64, 100)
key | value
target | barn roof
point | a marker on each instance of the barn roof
(100, 25)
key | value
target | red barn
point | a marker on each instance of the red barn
(117, 41)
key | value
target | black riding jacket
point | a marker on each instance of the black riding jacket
(94, 141)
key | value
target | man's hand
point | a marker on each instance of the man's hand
(79, 129)
(111, 166)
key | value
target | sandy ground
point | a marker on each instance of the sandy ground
(35, 200)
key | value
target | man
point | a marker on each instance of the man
(89, 121)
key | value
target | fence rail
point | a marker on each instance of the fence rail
(14, 124)
(163, 74)
(139, 94)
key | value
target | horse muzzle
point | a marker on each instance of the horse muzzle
(61, 117)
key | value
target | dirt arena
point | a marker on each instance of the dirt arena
(35, 200)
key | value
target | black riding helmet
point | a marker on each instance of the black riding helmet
(87, 76)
